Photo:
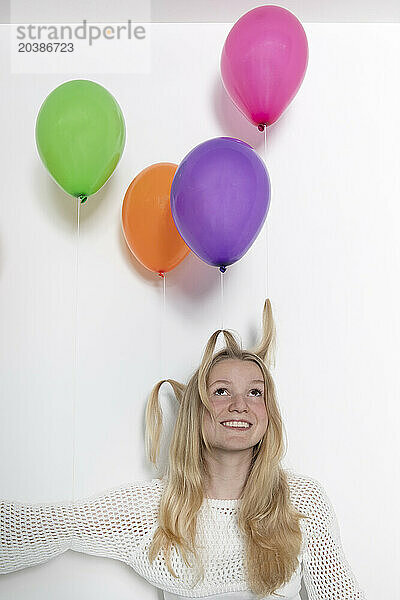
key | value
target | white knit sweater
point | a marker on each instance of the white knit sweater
(120, 524)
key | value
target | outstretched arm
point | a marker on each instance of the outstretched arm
(111, 525)
(32, 533)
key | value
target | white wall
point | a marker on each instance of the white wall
(333, 265)
(182, 11)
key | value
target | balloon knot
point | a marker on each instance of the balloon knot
(161, 273)
(222, 269)
(82, 197)
(261, 126)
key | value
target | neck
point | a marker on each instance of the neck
(227, 473)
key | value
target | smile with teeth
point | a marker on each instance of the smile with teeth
(236, 425)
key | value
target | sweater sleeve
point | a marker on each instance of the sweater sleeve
(326, 572)
(111, 525)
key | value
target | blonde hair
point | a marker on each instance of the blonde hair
(266, 517)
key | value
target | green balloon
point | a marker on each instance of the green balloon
(80, 136)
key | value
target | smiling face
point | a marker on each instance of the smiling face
(235, 390)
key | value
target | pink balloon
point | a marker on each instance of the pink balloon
(263, 62)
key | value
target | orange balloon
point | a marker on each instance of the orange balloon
(147, 221)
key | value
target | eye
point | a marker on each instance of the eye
(253, 390)
(257, 390)
(217, 390)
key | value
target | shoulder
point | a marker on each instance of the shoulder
(138, 500)
(308, 496)
(138, 494)
(145, 492)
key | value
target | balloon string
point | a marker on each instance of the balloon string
(75, 394)
(163, 329)
(266, 221)
(222, 298)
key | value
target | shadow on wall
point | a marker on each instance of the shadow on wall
(303, 592)
(234, 123)
(160, 594)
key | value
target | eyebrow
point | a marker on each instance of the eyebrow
(228, 381)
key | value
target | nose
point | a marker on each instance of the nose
(238, 401)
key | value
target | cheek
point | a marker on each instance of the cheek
(210, 430)
(262, 414)
(206, 419)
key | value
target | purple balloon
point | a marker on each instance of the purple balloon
(220, 197)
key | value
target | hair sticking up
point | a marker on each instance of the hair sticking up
(266, 349)
(154, 416)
